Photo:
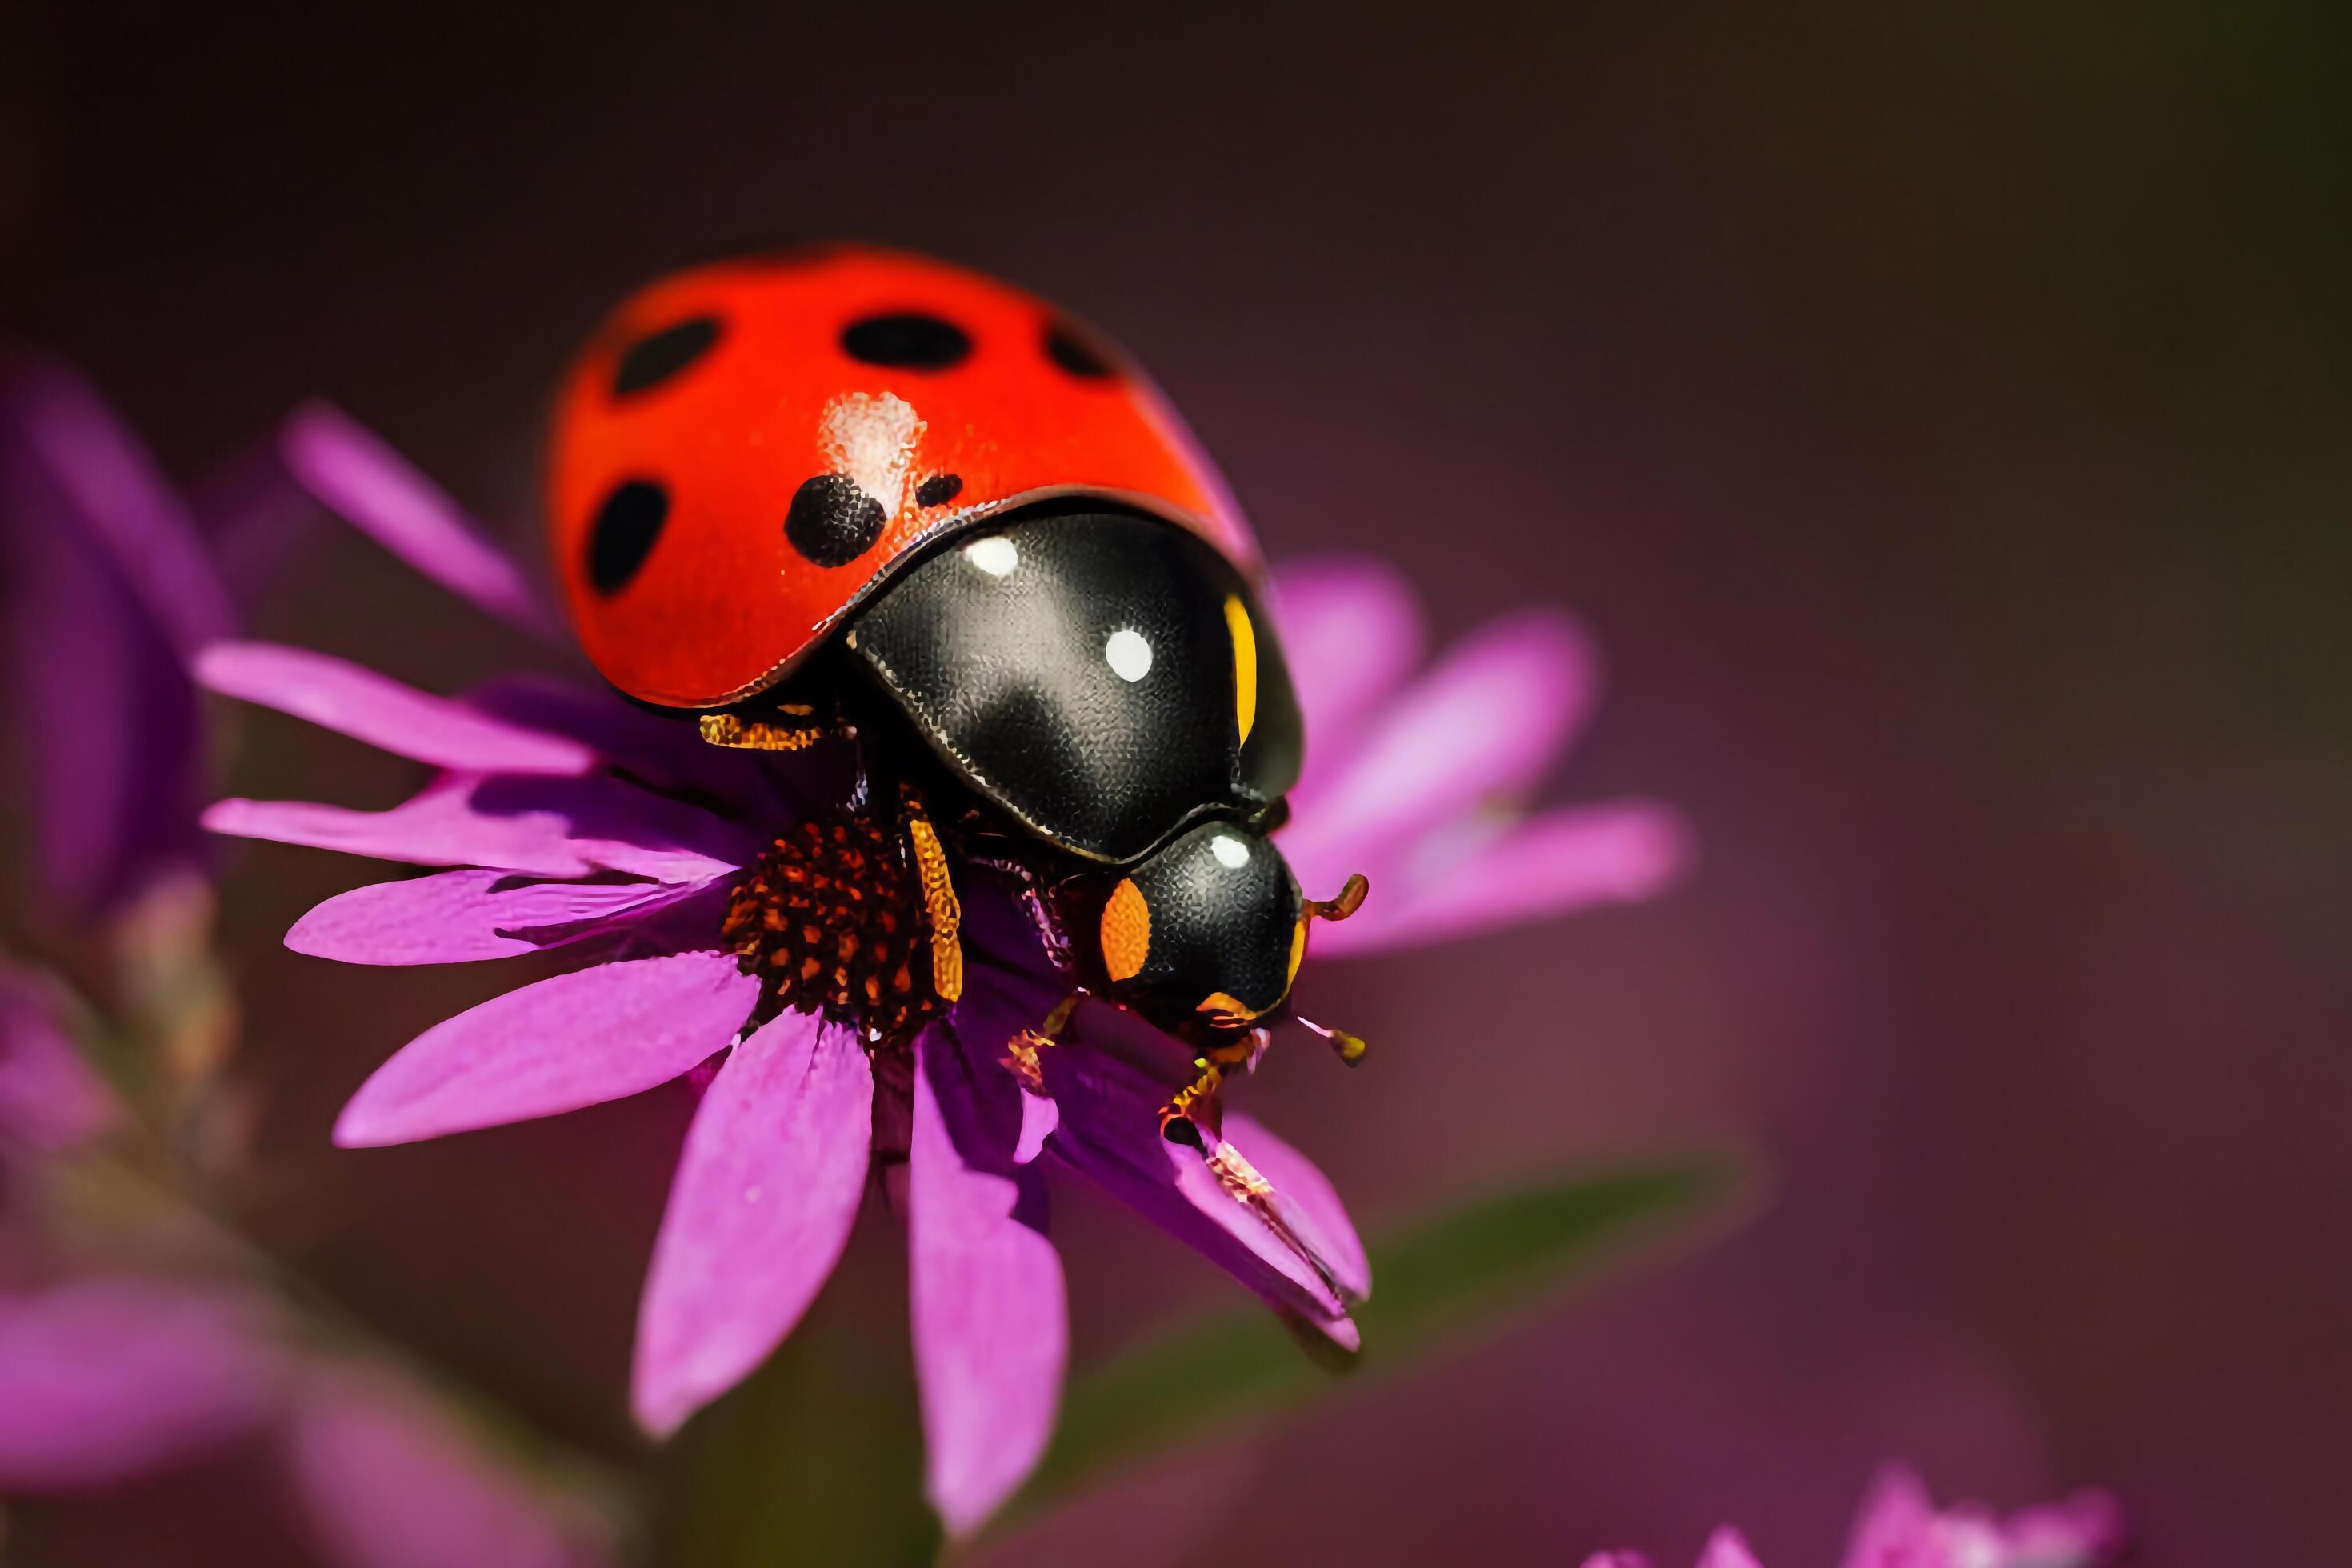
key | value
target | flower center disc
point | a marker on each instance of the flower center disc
(831, 921)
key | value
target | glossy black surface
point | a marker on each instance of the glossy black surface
(1078, 670)
(1224, 910)
(628, 525)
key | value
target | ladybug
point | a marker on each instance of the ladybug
(851, 497)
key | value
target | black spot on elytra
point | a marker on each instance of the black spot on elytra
(832, 522)
(938, 490)
(623, 533)
(655, 357)
(905, 340)
(1075, 351)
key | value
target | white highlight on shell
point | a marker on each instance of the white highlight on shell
(1130, 655)
(870, 439)
(997, 556)
(1230, 851)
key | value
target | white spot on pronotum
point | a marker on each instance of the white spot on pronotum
(1230, 851)
(1130, 655)
(997, 556)
(870, 440)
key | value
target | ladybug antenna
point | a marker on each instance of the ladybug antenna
(1350, 900)
(1352, 1048)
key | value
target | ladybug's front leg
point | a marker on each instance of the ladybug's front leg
(794, 729)
(941, 911)
(1220, 1058)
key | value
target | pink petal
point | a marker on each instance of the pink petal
(251, 514)
(350, 701)
(579, 1039)
(670, 751)
(1899, 1526)
(387, 1483)
(1109, 1103)
(1352, 632)
(1487, 722)
(621, 827)
(117, 496)
(1616, 1560)
(458, 917)
(535, 826)
(991, 1322)
(51, 1098)
(1039, 1117)
(108, 1379)
(2086, 1527)
(767, 1187)
(1727, 1548)
(1310, 1204)
(1554, 862)
(438, 825)
(1895, 1521)
(91, 631)
(354, 474)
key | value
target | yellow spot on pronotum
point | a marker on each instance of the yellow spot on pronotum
(1126, 931)
(1237, 622)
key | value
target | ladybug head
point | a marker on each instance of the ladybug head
(746, 451)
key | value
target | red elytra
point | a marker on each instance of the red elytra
(895, 398)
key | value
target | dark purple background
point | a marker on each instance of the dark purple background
(1940, 413)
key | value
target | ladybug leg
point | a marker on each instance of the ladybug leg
(941, 911)
(1178, 1117)
(1024, 1052)
(733, 731)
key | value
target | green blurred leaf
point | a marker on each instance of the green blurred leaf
(816, 1458)
(1437, 1285)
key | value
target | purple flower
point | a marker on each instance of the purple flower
(108, 590)
(1900, 1527)
(1420, 781)
(51, 1098)
(104, 1380)
(568, 820)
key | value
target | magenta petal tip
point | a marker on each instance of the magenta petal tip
(364, 481)
(1727, 1548)
(596, 1035)
(767, 1188)
(353, 700)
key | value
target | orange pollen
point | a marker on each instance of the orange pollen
(822, 918)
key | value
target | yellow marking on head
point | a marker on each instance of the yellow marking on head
(1225, 1008)
(1126, 931)
(1237, 622)
(1297, 952)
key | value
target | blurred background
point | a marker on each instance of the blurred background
(1936, 411)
